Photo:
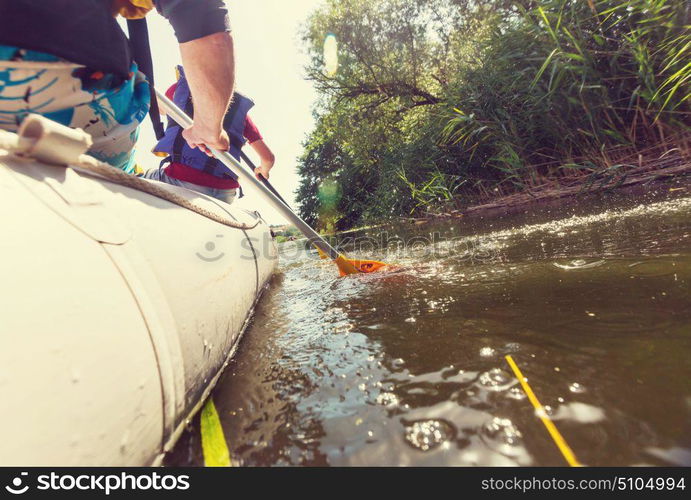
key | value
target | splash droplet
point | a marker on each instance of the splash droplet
(487, 352)
(503, 436)
(576, 388)
(496, 380)
(388, 399)
(512, 347)
(428, 434)
(397, 363)
(516, 393)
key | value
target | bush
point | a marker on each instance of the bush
(441, 102)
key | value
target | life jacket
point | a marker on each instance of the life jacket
(175, 146)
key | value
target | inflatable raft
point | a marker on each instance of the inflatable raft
(118, 309)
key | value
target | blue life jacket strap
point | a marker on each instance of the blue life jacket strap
(178, 145)
(141, 50)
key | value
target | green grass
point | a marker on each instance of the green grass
(519, 95)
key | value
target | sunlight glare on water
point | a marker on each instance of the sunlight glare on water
(406, 366)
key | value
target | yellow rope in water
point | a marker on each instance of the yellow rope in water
(214, 446)
(551, 428)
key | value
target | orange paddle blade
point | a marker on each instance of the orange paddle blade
(354, 266)
(321, 253)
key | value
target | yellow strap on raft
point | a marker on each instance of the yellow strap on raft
(554, 433)
(132, 9)
(214, 446)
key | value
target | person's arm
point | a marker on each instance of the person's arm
(210, 70)
(266, 156)
(255, 139)
(206, 48)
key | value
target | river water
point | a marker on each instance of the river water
(591, 298)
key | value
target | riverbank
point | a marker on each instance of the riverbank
(545, 100)
(674, 180)
(626, 172)
(657, 166)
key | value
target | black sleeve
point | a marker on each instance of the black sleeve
(192, 19)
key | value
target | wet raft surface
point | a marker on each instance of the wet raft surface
(407, 367)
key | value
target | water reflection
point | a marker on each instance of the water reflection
(407, 367)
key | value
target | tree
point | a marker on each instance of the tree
(440, 103)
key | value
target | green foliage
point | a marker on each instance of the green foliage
(440, 102)
(287, 233)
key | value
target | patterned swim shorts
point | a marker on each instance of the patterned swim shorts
(109, 108)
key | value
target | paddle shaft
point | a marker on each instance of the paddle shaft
(234, 166)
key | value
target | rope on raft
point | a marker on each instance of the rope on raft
(11, 142)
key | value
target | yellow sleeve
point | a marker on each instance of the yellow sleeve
(132, 9)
